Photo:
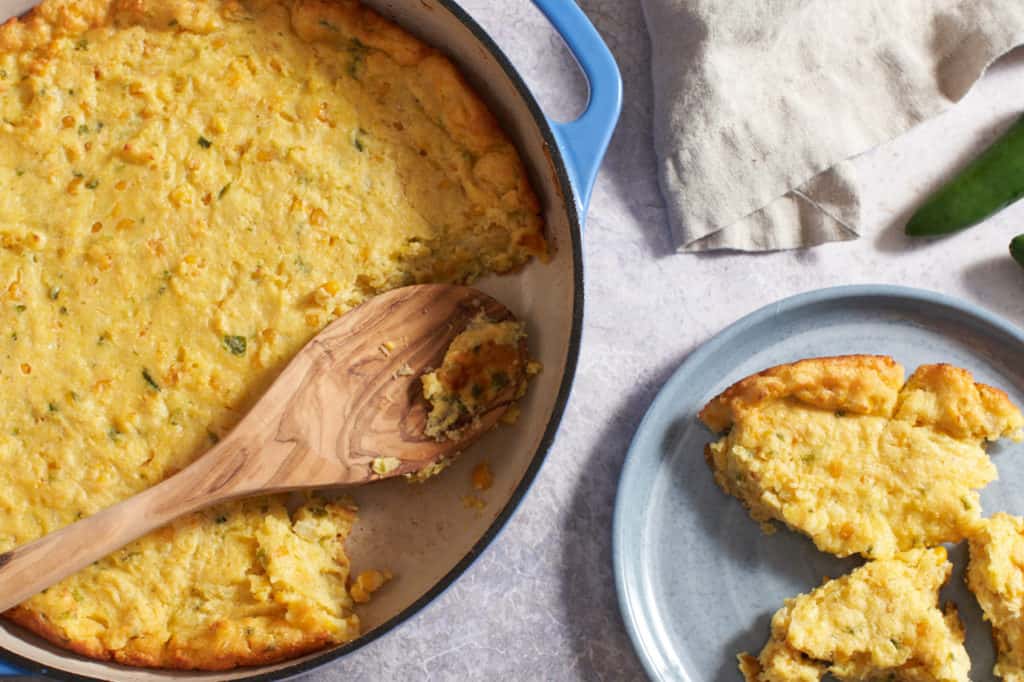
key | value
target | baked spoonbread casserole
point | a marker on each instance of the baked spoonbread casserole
(192, 189)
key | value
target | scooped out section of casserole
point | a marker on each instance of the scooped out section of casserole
(192, 189)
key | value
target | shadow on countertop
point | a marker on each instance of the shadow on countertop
(891, 238)
(630, 166)
(998, 284)
(588, 595)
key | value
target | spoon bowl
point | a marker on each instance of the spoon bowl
(347, 410)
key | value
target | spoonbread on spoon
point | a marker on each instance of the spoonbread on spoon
(844, 451)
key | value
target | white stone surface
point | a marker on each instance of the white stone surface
(540, 603)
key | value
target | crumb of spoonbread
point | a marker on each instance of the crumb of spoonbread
(423, 474)
(473, 502)
(483, 367)
(995, 575)
(366, 583)
(244, 580)
(192, 189)
(842, 450)
(482, 477)
(880, 622)
(382, 466)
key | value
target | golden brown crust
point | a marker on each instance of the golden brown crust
(442, 87)
(948, 398)
(169, 657)
(862, 384)
(51, 20)
(842, 450)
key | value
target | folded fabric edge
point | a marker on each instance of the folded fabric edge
(815, 224)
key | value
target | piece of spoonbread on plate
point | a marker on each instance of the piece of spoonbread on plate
(842, 450)
(995, 575)
(880, 622)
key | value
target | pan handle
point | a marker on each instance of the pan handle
(583, 142)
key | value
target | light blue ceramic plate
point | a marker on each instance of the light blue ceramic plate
(697, 580)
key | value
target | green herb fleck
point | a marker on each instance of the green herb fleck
(500, 380)
(78, 174)
(214, 438)
(149, 380)
(894, 642)
(261, 556)
(235, 344)
(223, 191)
(20, 308)
(809, 458)
(92, 184)
(966, 503)
(83, 129)
(82, 44)
(19, 172)
(63, 310)
(221, 519)
(204, 143)
(113, 433)
(53, 407)
(358, 54)
(54, 293)
(3, 74)
(477, 390)
(840, 413)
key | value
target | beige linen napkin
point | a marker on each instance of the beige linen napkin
(760, 103)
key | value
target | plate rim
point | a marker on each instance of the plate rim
(629, 603)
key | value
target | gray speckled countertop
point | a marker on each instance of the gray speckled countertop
(540, 604)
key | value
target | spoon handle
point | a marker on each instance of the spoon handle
(31, 568)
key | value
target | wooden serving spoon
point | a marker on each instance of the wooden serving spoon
(343, 402)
